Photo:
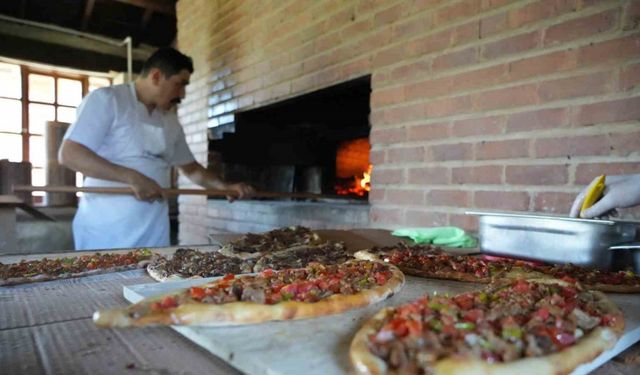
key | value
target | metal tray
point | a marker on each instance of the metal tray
(556, 239)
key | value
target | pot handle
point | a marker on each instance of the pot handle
(626, 246)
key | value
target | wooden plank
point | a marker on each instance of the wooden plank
(8, 200)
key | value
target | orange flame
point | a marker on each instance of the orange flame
(365, 183)
(359, 186)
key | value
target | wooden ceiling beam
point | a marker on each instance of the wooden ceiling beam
(68, 38)
(88, 10)
(160, 6)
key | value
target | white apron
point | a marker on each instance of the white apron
(139, 141)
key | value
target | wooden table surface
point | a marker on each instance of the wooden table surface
(46, 328)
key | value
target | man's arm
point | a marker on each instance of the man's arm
(209, 179)
(81, 159)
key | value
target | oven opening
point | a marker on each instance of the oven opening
(315, 143)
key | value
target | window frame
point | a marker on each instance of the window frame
(25, 70)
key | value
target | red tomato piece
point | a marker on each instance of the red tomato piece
(168, 302)
(305, 287)
(399, 327)
(414, 327)
(542, 313)
(290, 289)
(322, 284)
(464, 301)
(473, 315)
(380, 277)
(609, 320)
(522, 286)
(197, 292)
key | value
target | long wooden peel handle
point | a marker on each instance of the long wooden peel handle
(170, 192)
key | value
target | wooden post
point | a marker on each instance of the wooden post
(56, 173)
(8, 241)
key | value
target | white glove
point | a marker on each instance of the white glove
(619, 192)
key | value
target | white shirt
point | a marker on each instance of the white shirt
(115, 125)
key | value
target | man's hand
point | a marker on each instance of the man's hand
(243, 191)
(144, 188)
(80, 158)
(619, 192)
(210, 179)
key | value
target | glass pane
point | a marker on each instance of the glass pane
(36, 151)
(11, 110)
(39, 114)
(11, 86)
(69, 91)
(66, 114)
(41, 88)
(11, 147)
(37, 178)
(96, 82)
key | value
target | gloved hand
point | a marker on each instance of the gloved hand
(619, 192)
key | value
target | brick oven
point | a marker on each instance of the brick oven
(314, 143)
(481, 104)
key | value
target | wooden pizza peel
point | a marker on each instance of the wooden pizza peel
(170, 192)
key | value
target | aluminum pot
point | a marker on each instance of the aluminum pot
(602, 244)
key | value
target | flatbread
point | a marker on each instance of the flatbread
(313, 291)
(476, 269)
(253, 245)
(190, 263)
(46, 269)
(533, 327)
(300, 256)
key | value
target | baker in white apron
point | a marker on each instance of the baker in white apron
(130, 130)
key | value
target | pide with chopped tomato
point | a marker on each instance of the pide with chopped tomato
(48, 269)
(433, 262)
(294, 293)
(495, 326)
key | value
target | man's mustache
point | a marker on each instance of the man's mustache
(176, 101)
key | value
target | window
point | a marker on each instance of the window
(30, 97)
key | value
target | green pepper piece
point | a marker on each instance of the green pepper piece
(512, 333)
(465, 325)
(435, 306)
(435, 325)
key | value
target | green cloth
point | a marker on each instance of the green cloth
(444, 236)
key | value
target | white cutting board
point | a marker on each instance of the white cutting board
(321, 346)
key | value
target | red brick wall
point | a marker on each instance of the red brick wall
(489, 104)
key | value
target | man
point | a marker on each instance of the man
(128, 135)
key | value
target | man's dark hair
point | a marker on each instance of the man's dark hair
(169, 60)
